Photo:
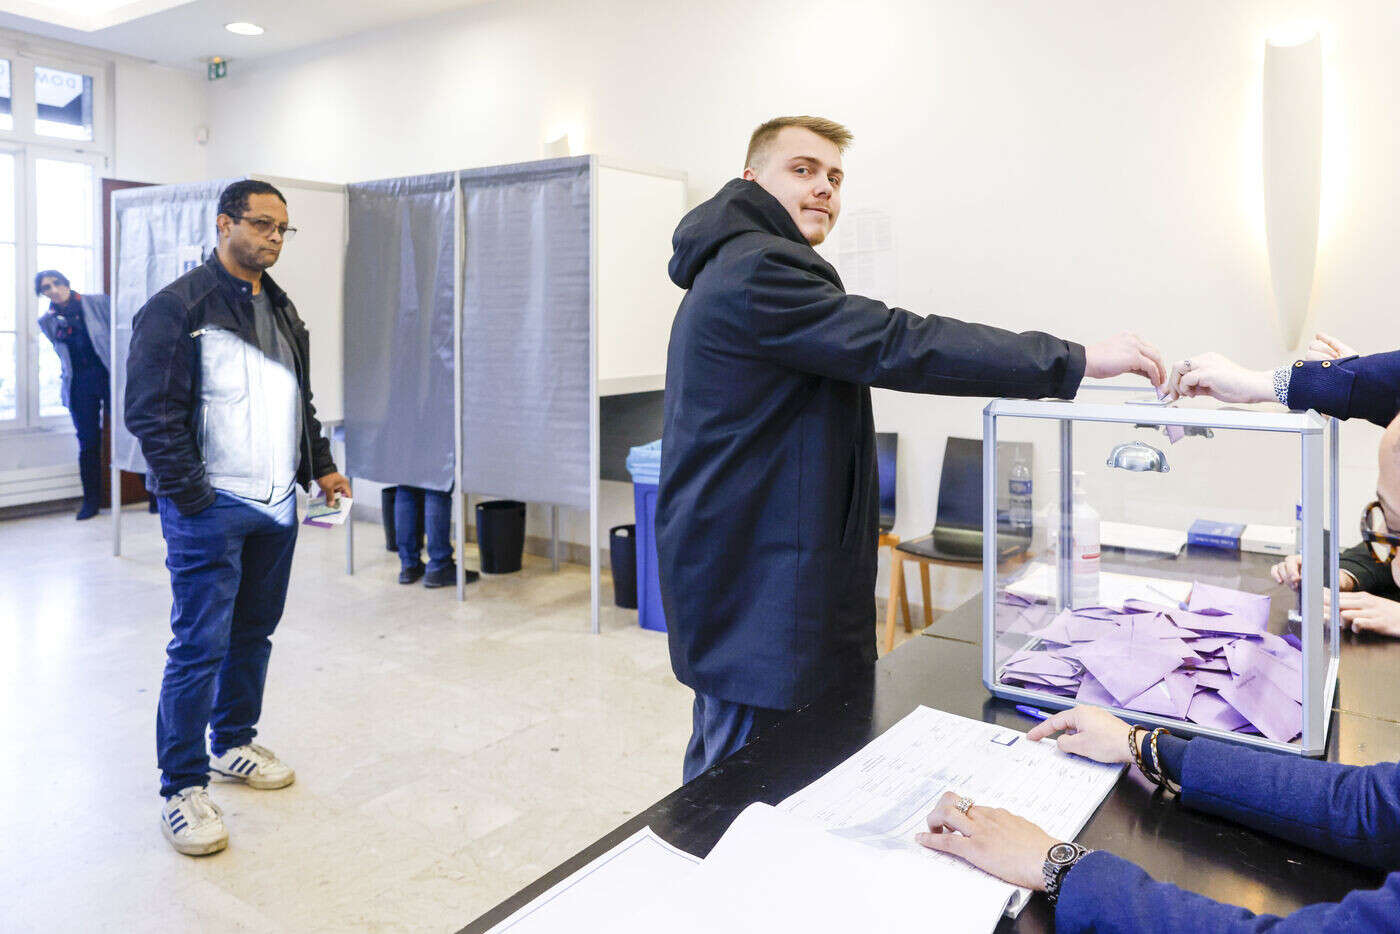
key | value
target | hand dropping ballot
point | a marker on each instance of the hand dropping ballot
(326, 515)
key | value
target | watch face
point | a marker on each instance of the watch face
(1061, 853)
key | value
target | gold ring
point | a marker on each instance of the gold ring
(963, 804)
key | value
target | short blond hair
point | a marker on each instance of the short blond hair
(763, 137)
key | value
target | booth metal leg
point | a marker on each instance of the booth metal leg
(554, 537)
(349, 543)
(116, 510)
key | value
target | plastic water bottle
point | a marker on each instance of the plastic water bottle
(1084, 556)
(1020, 499)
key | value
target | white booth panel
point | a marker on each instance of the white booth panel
(637, 214)
(312, 270)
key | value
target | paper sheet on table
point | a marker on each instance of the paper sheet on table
(1038, 583)
(772, 871)
(881, 796)
(1141, 537)
(592, 898)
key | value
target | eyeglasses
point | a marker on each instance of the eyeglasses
(1384, 543)
(266, 225)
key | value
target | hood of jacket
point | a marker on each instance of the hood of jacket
(740, 207)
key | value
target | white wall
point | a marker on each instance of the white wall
(158, 111)
(1077, 167)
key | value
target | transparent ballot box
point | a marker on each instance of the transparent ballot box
(1128, 564)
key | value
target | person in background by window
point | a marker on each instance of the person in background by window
(78, 327)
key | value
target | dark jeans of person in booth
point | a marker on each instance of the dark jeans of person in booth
(437, 521)
(229, 566)
(87, 397)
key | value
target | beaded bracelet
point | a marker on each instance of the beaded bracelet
(1161, 777)
(1133, 748)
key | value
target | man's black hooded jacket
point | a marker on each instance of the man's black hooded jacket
(767, 510)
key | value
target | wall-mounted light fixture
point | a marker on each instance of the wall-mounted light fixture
(1292, 150)
(561, 143)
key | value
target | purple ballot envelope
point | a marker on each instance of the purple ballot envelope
(1209, 709)
(1252, 607)
(1274, 713)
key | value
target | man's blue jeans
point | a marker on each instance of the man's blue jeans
(229, 566)
(437, 517)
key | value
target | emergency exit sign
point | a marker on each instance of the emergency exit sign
(218, 68)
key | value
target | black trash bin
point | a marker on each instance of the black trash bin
(386, 511)
(622, 546)
(500, 535)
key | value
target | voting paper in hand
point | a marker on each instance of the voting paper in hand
(318, 513)
(881, 796)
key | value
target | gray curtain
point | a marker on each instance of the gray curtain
(398, 331)
(525, 331)
(162, 233)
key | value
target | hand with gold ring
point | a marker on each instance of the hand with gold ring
(992, 839)
(1212, 374)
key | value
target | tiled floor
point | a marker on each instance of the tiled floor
(446, 753)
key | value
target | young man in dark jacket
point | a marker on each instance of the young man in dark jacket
(218, 392)
(79, 327)
(767, 509)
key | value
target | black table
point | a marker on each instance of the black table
(1197, 851)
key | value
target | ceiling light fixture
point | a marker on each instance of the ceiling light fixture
(244, 29)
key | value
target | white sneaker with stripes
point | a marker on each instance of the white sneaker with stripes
(255, 765)
(192, 823)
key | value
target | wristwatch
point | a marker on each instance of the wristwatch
(1058, 862)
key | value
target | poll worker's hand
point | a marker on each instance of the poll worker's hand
(1327, 347)
(1290, 571)
(994, 840)
(1124, 353)
(1366, 612)
(1212, 374)
(1091, 732)
(334, 485)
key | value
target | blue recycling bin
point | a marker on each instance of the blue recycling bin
(644, 464)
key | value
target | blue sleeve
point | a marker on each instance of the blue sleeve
(1108, 895)
(1352, 387)
(1345, 810)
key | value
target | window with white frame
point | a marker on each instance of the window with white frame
(54, 146)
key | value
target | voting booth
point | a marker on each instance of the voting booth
(1139, 579)
(506, 331)
(161, 232)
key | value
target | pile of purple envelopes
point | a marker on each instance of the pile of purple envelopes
(1213, 663)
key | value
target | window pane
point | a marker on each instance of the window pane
(50, 382)
(77, 264)
(7, 376)
(7, 197)
(7, 286)
(7, 117)
(64, 200)
(64, 102)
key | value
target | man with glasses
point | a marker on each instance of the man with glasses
(1370, 570)
(79, 328)
(218, 394)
